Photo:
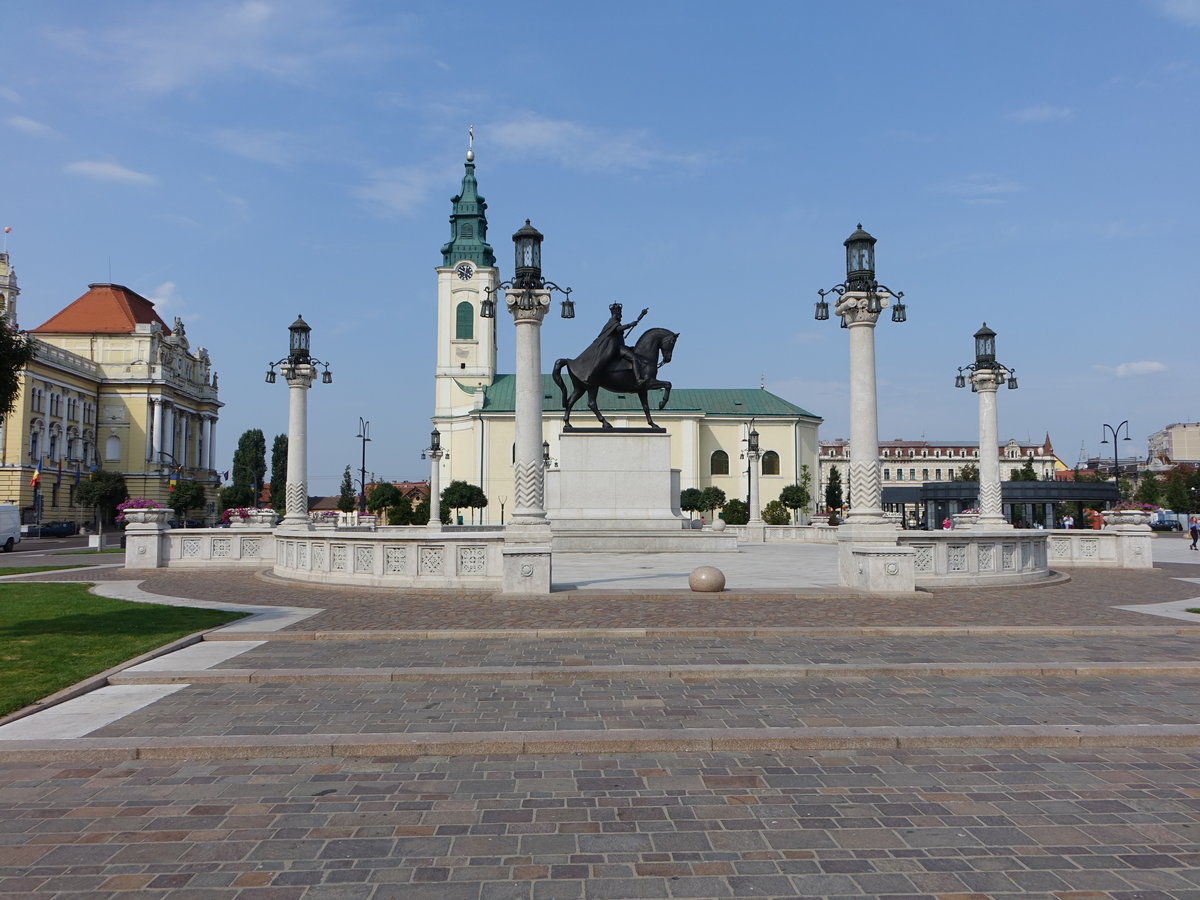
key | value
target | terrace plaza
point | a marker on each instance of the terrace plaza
(624, 737)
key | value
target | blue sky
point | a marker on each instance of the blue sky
(1030, 164)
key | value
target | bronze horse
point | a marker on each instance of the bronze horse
(619, 377)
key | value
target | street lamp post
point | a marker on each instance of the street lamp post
(1116, 434)
(987, 375)
(527, 297)
(435, 454)
(299, 369)
(364, 433)
(753, 455)
(860, 300)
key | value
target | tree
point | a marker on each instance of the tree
(103, 490)
(833, 490)
(799, 495)
(420, 513)
(461, 495)
(382, 498)
(347, 499)
(712, 498)
(187, 495)
(735, 512)
(249, 468)
(16, 352)
(775, 513)
(1025, 473)
(969, 472)
(478, 500)
(1149, 490)
(279, 455)
(690, 500)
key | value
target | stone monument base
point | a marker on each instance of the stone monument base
(616, 490)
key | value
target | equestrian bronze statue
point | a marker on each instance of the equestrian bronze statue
(608, 363)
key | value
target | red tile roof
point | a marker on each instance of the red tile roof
(104, 309)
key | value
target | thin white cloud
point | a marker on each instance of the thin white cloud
(980, 188)
(1133, 369)
(109, 171)
(1186, 12)
(397, 190)
(29, 126)
(580, 146)
(173, 46)
(1038, 115)
(278, 148)
(7, 93)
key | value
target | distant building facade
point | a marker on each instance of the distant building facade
(111, 386)
(1178, 443)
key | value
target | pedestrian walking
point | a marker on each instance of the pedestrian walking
(1194, 530)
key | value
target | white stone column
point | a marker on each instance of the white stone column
(528, 308)
(152, 405)
(299, 380)
(212, 443)
(752, 460)
(991, 504)
(158, 430)
(435, 490)
(865, 498)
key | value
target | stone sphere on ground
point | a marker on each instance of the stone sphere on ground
(707, 578)
(718, 525)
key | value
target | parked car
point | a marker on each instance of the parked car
(61, 528)
(1166, 525)
(10, 526)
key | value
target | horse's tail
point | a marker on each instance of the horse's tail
(558, 364)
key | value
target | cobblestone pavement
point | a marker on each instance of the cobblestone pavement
(1088, 599)
(952, 824)
(929, 824)
(806, 649)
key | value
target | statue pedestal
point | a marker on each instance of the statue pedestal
(616, 490)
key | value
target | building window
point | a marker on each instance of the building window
(899, 474)
(718, 463)
(949, 474)
(887, 474)
(464, 322)
(924, 474)
(770, 463)
(912, 474)
(937, 474)
(33, 445)
(885, 454)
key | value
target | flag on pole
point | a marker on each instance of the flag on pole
(173, 480)
(58, 480)
(37, 475)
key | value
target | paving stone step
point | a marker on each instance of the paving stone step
(424, 744)
(562, 673)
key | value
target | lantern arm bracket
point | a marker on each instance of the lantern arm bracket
(997, 369)
(524, 296)
(875, 293)
(288, 368)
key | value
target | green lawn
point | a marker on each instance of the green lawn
(25, 570)
(81, 552)
(54, 635)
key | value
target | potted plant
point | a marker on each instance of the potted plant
(142, 511)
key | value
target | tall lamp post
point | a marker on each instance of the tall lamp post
(364, 433)
(860, 300)
(986, 376)
(435, 454)
(1116, 434)
(527, 297)
(753, 455)
(299, 369)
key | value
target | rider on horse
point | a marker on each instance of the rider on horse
(609, 346)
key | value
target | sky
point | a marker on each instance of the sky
(240, 162)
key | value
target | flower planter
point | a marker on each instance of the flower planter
(1126, 518)
(146, 518)
(965, 520)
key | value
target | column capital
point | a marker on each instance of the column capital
(852, 307)
(527, 306)
(299, 376)
(986, 379)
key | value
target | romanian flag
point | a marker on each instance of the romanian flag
(37, 475)
(174, 480)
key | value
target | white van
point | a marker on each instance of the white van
(10, 526)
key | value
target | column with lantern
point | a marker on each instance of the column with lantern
(986, 376)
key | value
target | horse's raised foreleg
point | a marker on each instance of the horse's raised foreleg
(594, 407)
(664, 386)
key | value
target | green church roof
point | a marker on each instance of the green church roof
(500, 397)
(468, 225)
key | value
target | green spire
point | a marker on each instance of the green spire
(468, 223)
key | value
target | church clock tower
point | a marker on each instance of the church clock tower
(466, 343)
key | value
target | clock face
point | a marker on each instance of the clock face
(465, 271)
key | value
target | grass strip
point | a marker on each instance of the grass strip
(55, 635)
(26, 570)
(90, 552)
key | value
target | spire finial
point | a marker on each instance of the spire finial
(470, 143)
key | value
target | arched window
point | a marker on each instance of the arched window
(464, 322)
(718, 463)
(770, 463)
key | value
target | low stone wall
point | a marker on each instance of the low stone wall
(1115, 547)
(409, 558)
(976, 556)
(805, 534)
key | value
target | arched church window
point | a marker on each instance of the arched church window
(770, 463)
(464, 321)
(718, 463)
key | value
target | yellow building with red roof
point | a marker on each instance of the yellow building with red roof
(111, 386)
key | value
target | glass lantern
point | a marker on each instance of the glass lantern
(298, 342)
(860, 260)
(528, 246)
(985, 348)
